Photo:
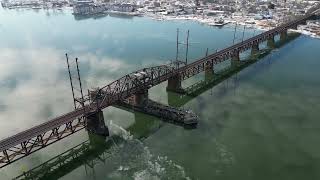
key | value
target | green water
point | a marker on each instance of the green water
(261, 123)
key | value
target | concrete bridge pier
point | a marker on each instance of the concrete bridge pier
(283, 36)
(174, 84)
(172, 99)
(97, 141)
(208, 71)
(271, 42)
(140, 98)
(235, 59)
(304, 22)
(95, 123)
(294, 26)
(255, 49)
(315, 16)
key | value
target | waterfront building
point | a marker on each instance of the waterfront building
(122, 7)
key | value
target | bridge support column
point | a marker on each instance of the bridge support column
(95, 123)
(174, 84)
(314, 17)
(295, 26)
(235, 59)
(141, 98)
(271, 42)
(283, 36)
(255, 49)
(208, 71)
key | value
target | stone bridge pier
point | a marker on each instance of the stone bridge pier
(208, 71)
(315, 16)
(235, 59)
(140, 98)
(304, 22)
(174, 84)
(271, 42)
(172, 99)
(283, 35)
(95, 123)
(295, 26)
(255, 49)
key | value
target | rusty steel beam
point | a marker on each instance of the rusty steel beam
(40, 141)
(188, 70)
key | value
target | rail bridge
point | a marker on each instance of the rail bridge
(135, 86)
(97, 150)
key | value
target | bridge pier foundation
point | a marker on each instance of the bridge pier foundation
(235, 59)
(172, 99)
(315, 17)
(271, 42)
(174, 84)
(97, 141)
(255, 49)
(283, 36)
(294, 26)
(95, 123)
(208, 71)
(140, 98)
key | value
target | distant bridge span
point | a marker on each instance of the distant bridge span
(38, 137)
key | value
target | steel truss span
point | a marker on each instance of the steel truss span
(40, 141)
(38, 137)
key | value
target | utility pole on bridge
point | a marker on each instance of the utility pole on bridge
(94, 121)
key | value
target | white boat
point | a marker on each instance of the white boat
(36, 7)
(220, 22)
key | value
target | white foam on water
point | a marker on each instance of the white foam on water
(159, 166)
(120, 131)
(123, 168)
(144, 175)
(226, 156)
(134, 160)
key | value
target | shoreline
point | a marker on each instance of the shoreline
(232, 22)
(207, 21)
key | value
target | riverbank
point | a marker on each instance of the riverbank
(216, 21)
(262, 106)
(263, 25)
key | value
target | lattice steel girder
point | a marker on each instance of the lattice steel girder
(36, 143)
(126, 86)
(129, 84)
(189, 70)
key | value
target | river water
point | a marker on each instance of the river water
(261, 123)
